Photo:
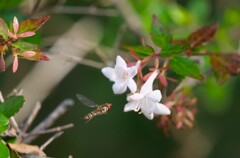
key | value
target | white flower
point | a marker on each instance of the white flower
(147, 100)
(122, 76)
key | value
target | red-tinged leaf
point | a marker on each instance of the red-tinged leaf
(220, 77)
(3, 28)
(32, 25)
(29, 51)
(202, 35)
(225, 64)
(228, 63)
(159, 34)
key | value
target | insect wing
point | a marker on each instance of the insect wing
(84, 100)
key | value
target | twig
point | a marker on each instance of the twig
(53, 130)
(32, 117)
(50, 140)
(86, 62)
(35, 7)
(52, 117)
(86, 10)
(101, 54)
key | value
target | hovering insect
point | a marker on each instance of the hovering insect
(100, 109)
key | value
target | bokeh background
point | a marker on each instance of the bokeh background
(94, 28)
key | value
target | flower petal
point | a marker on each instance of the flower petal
(26, 34)
(119, 87)
(109, 73)
(15, 64)
(131, 106)
(150, 116)
(15, 25)
(147, 86)
(2, 62)
(132, 71)
(132, 85)
(161, 109)
(135, 97)
(155, 96)
(120, 62)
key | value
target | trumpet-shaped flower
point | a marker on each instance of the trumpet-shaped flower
(147, 100)
(122, 76)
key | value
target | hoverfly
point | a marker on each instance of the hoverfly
(100, 109)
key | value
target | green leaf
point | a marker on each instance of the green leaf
(3, 123)
(11, 105)
(159, 34)
(185, 67)
(29, 51)
(141, 51)
(9, 139)
(14, 154)
(3, 28)
(171, 50)
(4, 152)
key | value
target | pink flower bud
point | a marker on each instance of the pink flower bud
(15, 64)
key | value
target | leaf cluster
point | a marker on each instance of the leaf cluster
(7, 109)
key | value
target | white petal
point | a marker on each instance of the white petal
(119, 87)
(120, 62)
(147, 86)
(130, 106)
(109, 73)
(154, 96)
(135, 97)
(132, 71)
(147, 106)
(150, 116)
(161, 109)
(132, 85)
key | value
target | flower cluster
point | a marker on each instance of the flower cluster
(183, 108)
(10, 41)
(146, 100)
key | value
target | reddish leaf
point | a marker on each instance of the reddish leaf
(32, 24)
(29, 51)
(202, 35)
(226, 63)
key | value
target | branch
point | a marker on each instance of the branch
(32, 117)
(55, 136)
(52, 117)
(53, 130)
